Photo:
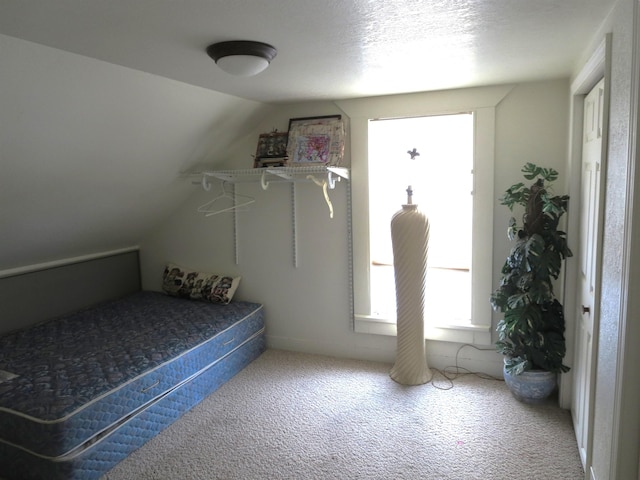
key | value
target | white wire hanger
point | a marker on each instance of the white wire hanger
(239, 201)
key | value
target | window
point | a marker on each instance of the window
(441, 178)
(467, 321)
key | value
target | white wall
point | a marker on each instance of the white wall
(91, 152)
(308, 307)
(616, 421)
(531, 126)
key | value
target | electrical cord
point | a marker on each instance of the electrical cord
(448, 376)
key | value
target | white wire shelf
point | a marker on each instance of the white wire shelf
(277, 174)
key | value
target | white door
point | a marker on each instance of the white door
(588, 287)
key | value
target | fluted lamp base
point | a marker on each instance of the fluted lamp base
(410, 367)
(410, 238)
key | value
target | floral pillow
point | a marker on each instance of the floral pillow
(180, 282)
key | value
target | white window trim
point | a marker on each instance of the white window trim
(482, 102)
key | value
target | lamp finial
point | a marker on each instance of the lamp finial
(409, 195)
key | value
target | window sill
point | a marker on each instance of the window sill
(465, 333)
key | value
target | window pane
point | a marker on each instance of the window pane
(442, 181)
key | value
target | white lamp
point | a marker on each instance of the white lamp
(242, 57)
(410, 241)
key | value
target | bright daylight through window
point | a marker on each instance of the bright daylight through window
(441, 177)
(453, 183)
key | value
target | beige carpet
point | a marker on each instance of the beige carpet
(297, 416)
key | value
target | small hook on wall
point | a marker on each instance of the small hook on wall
(205, 183)
(263, 183)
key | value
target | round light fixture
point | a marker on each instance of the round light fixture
(242, 57)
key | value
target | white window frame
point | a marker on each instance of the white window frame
(482, 102)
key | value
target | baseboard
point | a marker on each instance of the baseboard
(375, 353)
(378, 348)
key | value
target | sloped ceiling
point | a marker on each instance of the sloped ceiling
(91, 153)
(104, 104)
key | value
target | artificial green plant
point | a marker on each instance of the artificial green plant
(531, 334)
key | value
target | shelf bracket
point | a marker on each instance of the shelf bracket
(332, 180)
(339, 173)
(279, 172)
(294, 226)
(236, 250)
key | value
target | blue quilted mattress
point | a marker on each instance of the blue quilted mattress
(80, 392)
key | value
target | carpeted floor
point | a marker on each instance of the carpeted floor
(297, 416)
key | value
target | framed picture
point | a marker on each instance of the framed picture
(316, 141)
(271, 150)
(265, 162)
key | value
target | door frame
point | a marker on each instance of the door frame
(625, 444)
(597, 67)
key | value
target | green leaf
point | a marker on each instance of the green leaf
(516, 365)
(530, 171)
(549, 174)
(519, 300)
(516, 194)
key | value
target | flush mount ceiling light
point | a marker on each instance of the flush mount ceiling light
(242, 57)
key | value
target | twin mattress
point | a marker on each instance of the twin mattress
(79, 393)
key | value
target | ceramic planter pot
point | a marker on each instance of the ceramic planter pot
(532, 386)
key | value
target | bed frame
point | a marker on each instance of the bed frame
(32, 295)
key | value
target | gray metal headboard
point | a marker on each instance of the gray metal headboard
(28, 298)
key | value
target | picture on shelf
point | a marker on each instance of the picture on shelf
(265, 162)
(316, 141)
(271, 150)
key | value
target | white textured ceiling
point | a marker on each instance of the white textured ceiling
(328, 49)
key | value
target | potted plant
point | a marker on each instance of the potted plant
(531, 333)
